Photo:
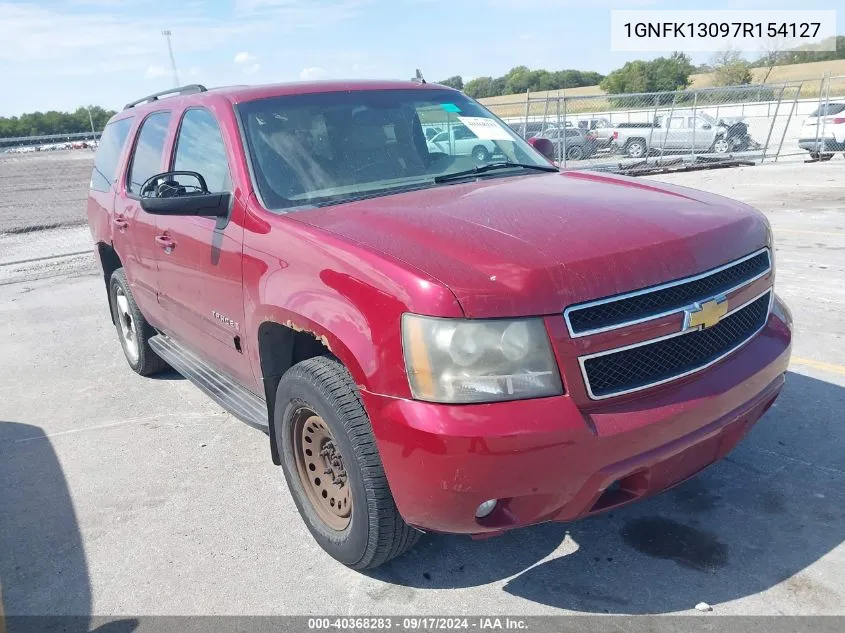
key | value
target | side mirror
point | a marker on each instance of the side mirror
(544, 146)
(182, 193)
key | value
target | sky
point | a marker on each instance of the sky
(61, 54)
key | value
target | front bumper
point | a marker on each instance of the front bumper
(547, 459)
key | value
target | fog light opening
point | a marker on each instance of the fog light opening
(486, 509)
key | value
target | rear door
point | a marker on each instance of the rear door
(677, 136)
(199, 262)
(134, 230)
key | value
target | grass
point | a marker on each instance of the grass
(811, 73)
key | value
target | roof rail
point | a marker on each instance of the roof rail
(181, 90)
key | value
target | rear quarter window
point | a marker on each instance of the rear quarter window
(108, 154)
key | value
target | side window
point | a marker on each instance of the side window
(676, 123)
(462, 132)
(200, 148)
(112, 141)
(146, 161)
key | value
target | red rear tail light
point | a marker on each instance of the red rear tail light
(839, 120)
(615, 135)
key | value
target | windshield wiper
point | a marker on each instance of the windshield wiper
(481, 169)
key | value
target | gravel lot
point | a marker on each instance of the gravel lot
(124, 495)
(40, 190)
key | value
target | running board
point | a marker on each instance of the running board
(240, 402)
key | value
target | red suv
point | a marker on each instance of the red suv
(432, 342)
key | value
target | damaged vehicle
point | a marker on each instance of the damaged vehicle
(682, 131)
(432, 342)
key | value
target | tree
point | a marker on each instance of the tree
(53, 122)
(456, 82)
(661, 74)
(773, 55)
(730, 69)
(479, 88)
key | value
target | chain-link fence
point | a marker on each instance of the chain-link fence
(42, 213)
(636, 133)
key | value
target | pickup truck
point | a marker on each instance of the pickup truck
(431, 344)
(681, 131)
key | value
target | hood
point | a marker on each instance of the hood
(534, 244)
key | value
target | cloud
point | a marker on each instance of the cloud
(313, 72)
(251, 70)
(154, 72)
(243, 58)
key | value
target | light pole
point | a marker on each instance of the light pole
(166, 33)
(91, 119)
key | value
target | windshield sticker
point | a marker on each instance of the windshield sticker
(450, 107)
(487, 129)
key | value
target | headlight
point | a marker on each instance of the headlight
(462, 361)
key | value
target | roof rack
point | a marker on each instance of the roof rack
(181, 90)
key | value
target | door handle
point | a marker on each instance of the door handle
(120, 223)
(165, 242)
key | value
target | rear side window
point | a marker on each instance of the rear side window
(200, 148)
(146, 160)
(112, 141)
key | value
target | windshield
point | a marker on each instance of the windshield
(325, 148)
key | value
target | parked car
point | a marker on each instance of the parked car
(573, 142)
(823, 132)
(535, 128)
(681, 131)
(459, 140)
(601, 129)
(431, 344)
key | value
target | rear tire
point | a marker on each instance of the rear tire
(317, 399)
(132, 328)
(635, 148)
(480, 154)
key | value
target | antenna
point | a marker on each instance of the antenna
(419, 77)
(166, 33)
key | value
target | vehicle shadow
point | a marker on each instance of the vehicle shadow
(759, 518)
(167, 374)
(43, 571)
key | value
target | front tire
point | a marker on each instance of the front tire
(132, 328)
(332, 466)
(576, 152)
(721, 145)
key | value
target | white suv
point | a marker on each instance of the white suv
(823, 131)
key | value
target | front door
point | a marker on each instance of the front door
(199, 259)
(134, 229)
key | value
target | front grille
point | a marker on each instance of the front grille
(667, 298)
(652, 363)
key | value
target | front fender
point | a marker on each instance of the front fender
(349, 298)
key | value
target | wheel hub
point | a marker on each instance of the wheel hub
(321, 470)
(126, 324)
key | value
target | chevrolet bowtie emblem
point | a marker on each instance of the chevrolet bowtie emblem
(706, 314)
